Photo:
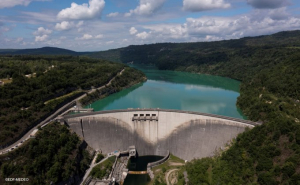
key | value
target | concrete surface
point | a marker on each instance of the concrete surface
(185, 134)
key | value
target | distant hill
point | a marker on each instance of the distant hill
(176, 54)
(153, 53)
(8, 50)
(41, 51)
(228, 57)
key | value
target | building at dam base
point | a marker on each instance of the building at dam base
(185, 134)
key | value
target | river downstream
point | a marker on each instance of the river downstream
(177, 90)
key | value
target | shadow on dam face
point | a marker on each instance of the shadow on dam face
(184, 135)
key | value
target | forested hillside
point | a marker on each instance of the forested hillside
(190, 56)
(54, 156)
(269, 68)
(267, 154)
(35, 86)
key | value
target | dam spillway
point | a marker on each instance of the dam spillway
(185, 134)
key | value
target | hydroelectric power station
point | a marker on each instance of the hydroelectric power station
(185, 134)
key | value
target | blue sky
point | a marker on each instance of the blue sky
(92, 25)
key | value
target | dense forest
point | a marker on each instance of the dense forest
(35, 86)
(54, 156)
(190, 56)
(269, 68)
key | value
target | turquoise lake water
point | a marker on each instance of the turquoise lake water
(177, 90)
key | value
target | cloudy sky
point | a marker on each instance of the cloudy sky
(93, 25)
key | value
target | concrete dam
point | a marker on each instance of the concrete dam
(185, 134)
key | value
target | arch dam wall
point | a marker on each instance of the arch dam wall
(185, 134)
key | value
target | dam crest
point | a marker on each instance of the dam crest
(185, 134)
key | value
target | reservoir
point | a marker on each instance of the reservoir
(177, 90)
(173, 90)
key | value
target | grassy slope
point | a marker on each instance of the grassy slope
(103, 169)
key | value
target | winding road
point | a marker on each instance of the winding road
(53, 116)
(93, 164)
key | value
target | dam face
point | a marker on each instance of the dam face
(187, 135)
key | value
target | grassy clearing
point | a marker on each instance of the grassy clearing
(171, 162)
(160, 171)
(103, 169)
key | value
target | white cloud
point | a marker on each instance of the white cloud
(146, 7)
(41, 38)
(100, 36)
(42, 31)
(53, 42)
(85, 37)
(65, 25)
(212, 38)
(3, 29)
(268, 4)
(93, 34)
(203, 5)
(209, 28)
(79, 24)
(80, 30)
(143, 35)
(84, 11)
(110, 42)
(37, 17)
(89, 37)
(132, 31)
(114, 14)
(19, 39)
(12, 3)
(218, 28)
(167, 31)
